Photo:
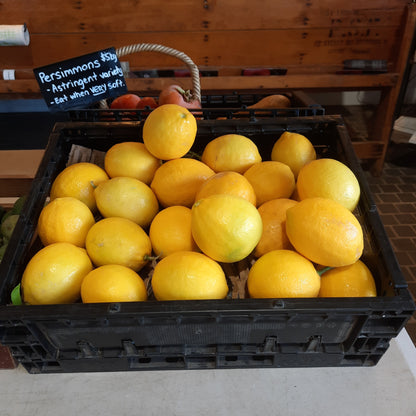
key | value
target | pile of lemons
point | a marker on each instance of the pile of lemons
(292, 214)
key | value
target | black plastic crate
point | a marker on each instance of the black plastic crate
(229, 333)
(232, 105)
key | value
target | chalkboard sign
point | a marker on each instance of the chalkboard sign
(82, 81)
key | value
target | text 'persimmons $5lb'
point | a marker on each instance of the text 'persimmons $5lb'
(187, 275)
(325, 232)
(225, 227)
(169, 131)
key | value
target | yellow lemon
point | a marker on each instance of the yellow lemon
(118, 240)
(283, 274)
(354, 280)
(187, 275)
(294, 150)
(169, 131)
(325, 232)
(270, 180)
(79, 180)
(113, 283)
(231, 183)
(170, 231)
(295, 195)
(54, 274)
(329, 178)
(231, 152)
(131, 159)
(177, 181)
(65, 219)
(273, 215)
(225, 227)
(127, 197)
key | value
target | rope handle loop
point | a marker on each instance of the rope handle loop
(152, 47)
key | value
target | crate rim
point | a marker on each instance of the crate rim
(97, 115)
(403, 302)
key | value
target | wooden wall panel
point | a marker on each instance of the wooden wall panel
(315, 47)
(277, 33)
(311, 38)
(51, 16)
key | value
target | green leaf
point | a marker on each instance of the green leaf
(16, 296)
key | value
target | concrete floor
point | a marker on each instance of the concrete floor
(384, 390)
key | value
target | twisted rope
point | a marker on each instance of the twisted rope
(151, 47)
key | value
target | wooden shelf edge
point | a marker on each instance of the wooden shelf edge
(20, 164)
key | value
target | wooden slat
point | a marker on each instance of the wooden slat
(279, 47)
(306, 82)
(27, 88)
(77, 16)
(14, 187)
(19, 163)
(17, 170)
(8, 201)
